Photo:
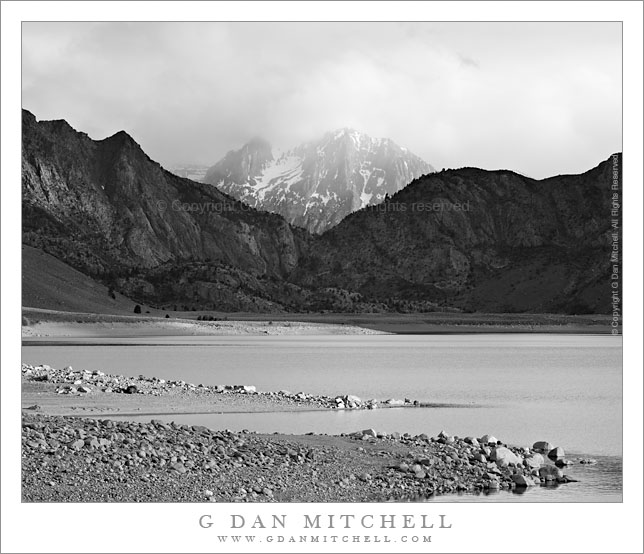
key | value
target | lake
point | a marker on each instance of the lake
(566, 389)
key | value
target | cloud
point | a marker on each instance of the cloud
(538, 98)
(466, 60)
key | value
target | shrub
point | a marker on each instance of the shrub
(25, 322)
(167, 316)
(137, 309)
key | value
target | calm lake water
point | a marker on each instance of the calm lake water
(520, 388)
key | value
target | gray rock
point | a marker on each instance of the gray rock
(550, 473)
(370, 432)
(534, 461)
(542, 446)
(178, 467)
(504, 456)
(77, 444)
(556, 453)
(522, 481)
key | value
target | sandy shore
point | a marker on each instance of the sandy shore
(182, 327)
(59, 323)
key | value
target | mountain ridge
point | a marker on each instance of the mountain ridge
(522, 245)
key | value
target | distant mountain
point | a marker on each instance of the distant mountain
(194, 172)
(316, 185)
(459, 240)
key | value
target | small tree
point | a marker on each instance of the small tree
(137, 309)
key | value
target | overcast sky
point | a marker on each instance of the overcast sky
(538, 98)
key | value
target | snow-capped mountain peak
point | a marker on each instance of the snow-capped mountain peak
(317, 184)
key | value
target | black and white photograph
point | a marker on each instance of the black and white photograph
(322, 278)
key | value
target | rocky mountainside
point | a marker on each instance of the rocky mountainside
(105, 208)
(458, 240)
(477, 240)
(316, 185)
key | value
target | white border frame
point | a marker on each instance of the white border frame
(174, 528)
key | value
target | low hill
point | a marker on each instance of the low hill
(51, 284)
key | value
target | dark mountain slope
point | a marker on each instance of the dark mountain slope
(105, 207)
(479, 240)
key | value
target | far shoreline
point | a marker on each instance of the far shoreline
(55, 323)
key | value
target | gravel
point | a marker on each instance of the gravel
(71, 459)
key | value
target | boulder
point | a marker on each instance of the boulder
(393, 402)
(370, 433)
(487, 439)
(353, 399)
(249, 389)
(556, 453)
(471, 440)
(92, 442)
(178, 467)
(535, 461)
(522, 481)
(542, 446)
(77, 444)
(504, 456)
(550, 473)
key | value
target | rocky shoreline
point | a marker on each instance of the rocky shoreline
(86, 383)
(77, 459)
(72, 459)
